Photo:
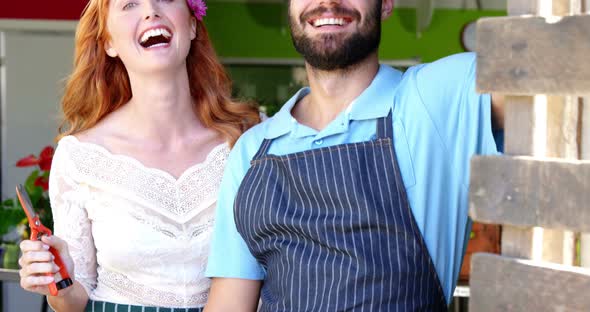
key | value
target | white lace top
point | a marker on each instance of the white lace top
(137, 235)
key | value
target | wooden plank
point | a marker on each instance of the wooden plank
(538, 244)
(585, 129)
(562, 127)
(563, 114)
(558, 7)
(527, 55)
(540, 126)
(518, 242)
(521, 7)
(585, 154)
(507, 284)
(564, 8)
(585, 250)
(519, 125)
(527, 192)
(557, 246)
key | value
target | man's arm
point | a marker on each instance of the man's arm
(233, 295)
(236, 274)
(498, 111)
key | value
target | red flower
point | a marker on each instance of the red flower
(47, 152)
(43, 182)
(28, 161)
(44, 160)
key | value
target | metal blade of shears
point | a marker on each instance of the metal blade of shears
(25, 201)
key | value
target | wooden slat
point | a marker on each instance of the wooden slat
(507, 284)
(526, 55)
(538, 244)
(517, 242)
(527, 192)
(563, 113)
(519, 125)
(569, 7)
(558, 246)
(585, 250)
(585, 154)
(521, 7)
(585, 129)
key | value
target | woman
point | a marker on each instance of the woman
(148, 126)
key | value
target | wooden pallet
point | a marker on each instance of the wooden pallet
(540, 190)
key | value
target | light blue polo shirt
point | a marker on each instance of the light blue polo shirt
(439, 123)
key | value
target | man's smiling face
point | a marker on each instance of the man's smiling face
(335, 34)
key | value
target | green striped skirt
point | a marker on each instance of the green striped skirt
(100, 306)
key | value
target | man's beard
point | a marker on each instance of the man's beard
(334, 51)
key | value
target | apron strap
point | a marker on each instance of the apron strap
(263, 149)
(385, 127)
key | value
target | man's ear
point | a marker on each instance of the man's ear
(193, 28)
(386, 9)
(110, 50)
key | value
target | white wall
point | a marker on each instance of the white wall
(35, 58)
(34, 65)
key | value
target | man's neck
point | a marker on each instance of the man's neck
(333, 91)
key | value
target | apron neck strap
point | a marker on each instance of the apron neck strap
(263, 149)
(385, 126)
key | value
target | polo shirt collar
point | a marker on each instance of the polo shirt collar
(374, 102)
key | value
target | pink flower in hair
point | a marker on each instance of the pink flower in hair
(199, 8)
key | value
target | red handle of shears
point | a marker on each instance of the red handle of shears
(38, 230)
(63, 272)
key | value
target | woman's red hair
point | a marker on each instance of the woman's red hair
(99, 84)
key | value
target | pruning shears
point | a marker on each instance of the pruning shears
(38, 230)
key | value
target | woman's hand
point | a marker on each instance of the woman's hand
(37, 260)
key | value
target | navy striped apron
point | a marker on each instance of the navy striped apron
(334, 231)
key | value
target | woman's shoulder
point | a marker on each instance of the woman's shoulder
(65, 146)
(72, 142)
(78, 153)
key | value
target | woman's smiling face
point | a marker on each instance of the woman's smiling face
(150, 35)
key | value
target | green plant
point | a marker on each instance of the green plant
(11, 215)
(36, 185)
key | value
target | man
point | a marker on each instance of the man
(354, 196)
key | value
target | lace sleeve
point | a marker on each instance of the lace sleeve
(71, 223)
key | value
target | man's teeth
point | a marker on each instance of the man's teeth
(328, 21)
(154, 33)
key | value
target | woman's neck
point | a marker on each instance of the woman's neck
(161, 107)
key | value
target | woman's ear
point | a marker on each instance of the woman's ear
(110, 50)
(193, 28)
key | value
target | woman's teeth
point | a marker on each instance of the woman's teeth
(155, 33)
